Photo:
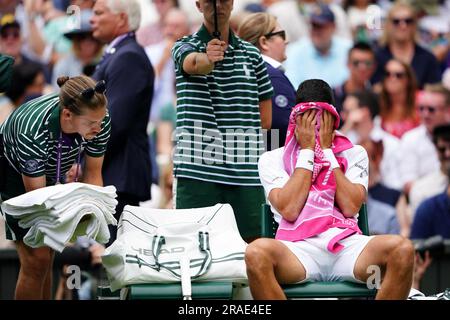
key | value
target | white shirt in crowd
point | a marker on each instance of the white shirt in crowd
(426, 187)
(418, 155)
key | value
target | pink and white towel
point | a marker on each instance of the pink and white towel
(319, 212)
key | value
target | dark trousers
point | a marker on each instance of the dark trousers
(123, 200)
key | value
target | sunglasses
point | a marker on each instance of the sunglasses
(442, 149)
(88, 93)
(10, 34)
(398, 21)
(318, 26)
(83, 36)
(280, 33)
(366, 63)
(430, 109)
(397, 75)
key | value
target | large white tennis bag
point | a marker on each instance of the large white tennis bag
(164, 245)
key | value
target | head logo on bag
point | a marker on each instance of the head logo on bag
(173, 250)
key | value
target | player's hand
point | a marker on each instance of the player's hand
(326, 131)
(305, 129)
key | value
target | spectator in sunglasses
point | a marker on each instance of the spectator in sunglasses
(421, 174)
(263, 31)
(41, 141)
(11, 39)
(398, 93)
(361, 66)
(399, 41)
(11, 45)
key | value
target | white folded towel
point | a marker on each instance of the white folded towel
(59, 214)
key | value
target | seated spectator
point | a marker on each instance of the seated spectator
(397, 99)
(432, 217)
(322, 55)
(152, 33)
(326, 244)
(294, 16)
(263, 31)
(399, 42)
(417, 146)
(361, 14)
(359, 111)
(382, 217)
(29, 83)
(85, 52)
(434, 34)
(397, 116)
(361, 65)
(175, 25)
(429, 185)
(11, 39)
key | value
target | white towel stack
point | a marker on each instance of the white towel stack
(59, 214)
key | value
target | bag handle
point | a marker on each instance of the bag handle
(157, 243)
(186, 288)
(203, 238)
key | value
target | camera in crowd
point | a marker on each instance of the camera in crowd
(434, 245)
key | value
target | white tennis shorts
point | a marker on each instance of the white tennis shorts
(322, 265)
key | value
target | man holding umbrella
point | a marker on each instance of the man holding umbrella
(223, 102)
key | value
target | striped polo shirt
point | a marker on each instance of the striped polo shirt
(218, 128)
(31, 135)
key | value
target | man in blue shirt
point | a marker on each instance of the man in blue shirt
(322, 56)
(433, 215)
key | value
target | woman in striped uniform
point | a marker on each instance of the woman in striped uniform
(41, 140)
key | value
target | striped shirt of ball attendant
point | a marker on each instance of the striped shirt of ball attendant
(218, 128)
(31, 139)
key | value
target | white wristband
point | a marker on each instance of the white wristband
(329, 155)
(305, 159)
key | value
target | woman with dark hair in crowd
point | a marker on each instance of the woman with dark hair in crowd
(398, 99)
(28, 83)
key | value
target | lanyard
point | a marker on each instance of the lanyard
(58, 160)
